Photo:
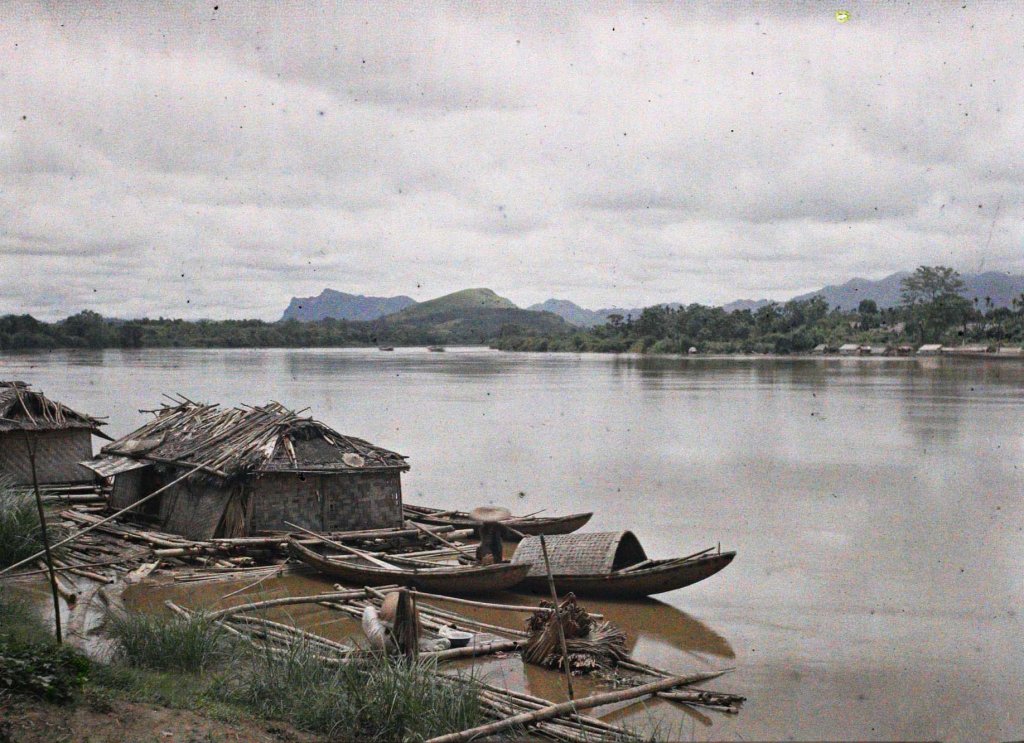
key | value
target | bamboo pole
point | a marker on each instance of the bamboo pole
(365, 555)
(288, 601)
(558, 618)
(46, 540)
(443, 541)
(101, 522)
(487, 605)
(557, 710)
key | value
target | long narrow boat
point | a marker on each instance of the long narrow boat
(451, 580)
(531, 526)
(611, 565)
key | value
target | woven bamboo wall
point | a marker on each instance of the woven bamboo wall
(58, 454)
(336, 502)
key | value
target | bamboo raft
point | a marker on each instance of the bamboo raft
(504, 708)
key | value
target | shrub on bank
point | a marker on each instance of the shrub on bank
(31, 662)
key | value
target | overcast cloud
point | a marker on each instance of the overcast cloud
(215, 160)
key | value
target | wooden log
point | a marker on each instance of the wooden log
(564, 708)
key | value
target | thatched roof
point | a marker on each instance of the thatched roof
(581, 553)
(24, 409)
(239, 441)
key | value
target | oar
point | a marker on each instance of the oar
(529, 515)
(441, 539)
(365, 555)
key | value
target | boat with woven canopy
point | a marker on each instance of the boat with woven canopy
(529, 525)
(611, 565)
(454, 580)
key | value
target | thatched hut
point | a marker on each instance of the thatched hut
(59, 436)
(260, 467)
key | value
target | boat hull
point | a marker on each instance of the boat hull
(663, 576)
(531, 527)
(456, 581)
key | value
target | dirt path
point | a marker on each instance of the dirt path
(27, 721)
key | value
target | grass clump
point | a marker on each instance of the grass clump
(170, 642)
(20, 535)
(374, 698)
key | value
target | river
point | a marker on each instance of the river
(875, 504)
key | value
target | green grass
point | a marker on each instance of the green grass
(31, 662)
(170, 642)
(20, 535)
(371, 699)
(192, 663)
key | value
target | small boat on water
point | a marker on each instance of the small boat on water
(436, 349)
(385, 348)
(529, 525)
(611, 565)
(454, 580)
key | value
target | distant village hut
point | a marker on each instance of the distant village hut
(260, 468)
(59, 436)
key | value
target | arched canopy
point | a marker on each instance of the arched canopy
(586, 553)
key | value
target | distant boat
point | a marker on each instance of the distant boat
(611, 565)
(436, 349)
(385, 348)
(529, 525)
(445, 579)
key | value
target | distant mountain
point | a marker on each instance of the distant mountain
(1000, 287)
(469, 316)
(571, 312)
(581, 316)
(745, 304)
(342, 306)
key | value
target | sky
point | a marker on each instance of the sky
(216, 159)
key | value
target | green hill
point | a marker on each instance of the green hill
(470, 316)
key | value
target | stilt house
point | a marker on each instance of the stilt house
(58, 436)
(258, 468)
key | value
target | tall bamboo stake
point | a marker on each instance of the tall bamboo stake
(558, 619)
(46, 541)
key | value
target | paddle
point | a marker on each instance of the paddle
(365, 555)
(442, 540)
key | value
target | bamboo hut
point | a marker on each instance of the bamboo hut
(59, 436)
(259, 468)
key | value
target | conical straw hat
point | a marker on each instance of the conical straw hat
(490, 513)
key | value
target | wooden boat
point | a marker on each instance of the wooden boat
(531, 526)
(611, 565)
(385, 348)
(436, 349)
(450, 580)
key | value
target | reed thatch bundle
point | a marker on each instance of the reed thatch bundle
(592, 645)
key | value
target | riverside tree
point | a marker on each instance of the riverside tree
(932, 297)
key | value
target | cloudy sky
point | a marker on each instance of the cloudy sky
(214, 160)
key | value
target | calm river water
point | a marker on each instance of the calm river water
(875, 504)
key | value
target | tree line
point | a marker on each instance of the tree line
(933, 310)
